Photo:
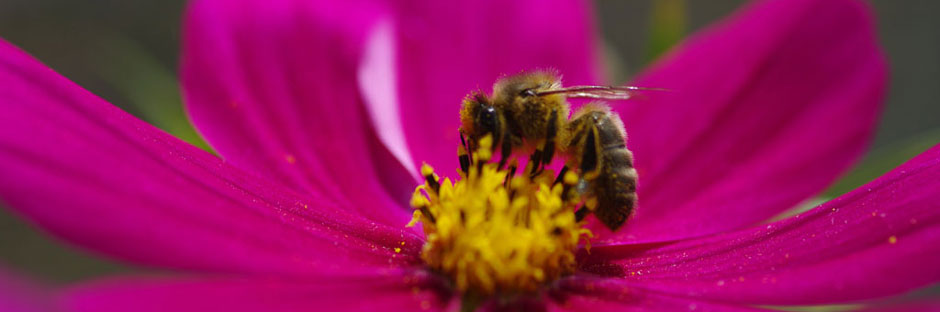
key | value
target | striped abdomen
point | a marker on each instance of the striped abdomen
(606, 165)
(615, 187)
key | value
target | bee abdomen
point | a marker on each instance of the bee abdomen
(616, 189)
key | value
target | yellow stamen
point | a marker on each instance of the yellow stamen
(490, 237)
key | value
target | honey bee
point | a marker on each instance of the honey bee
(529, 113)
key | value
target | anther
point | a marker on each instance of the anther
(474, 226)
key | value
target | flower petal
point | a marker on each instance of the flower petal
(879, 240)
(96, 176)
(20, 295)
(591, 294)
(448, 48)
(767, 109)
(394, 292)
(273, 86)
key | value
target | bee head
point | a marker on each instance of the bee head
(523, 88)
(478, 117)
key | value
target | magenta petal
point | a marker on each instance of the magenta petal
(446, 49)
(95, 175)
(20, 295)
(393, 292)
(879, 240)
(273, 86)
(591, 294)
(767, 109)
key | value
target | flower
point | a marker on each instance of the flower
(321, 113)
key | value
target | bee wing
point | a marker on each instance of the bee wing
(600, 92)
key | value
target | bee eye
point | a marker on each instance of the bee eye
(488, 118)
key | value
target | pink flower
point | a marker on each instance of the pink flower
(321, 112)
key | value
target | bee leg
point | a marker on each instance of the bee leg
(512, 172)
(561, 175)
(589, 161)
(548, 151)
(566, 188)
(543, 157)
(505, 150)
(464, 159)
(581, 213)
(535, 162)
(463, 155)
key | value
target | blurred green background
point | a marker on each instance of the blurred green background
(126, 52)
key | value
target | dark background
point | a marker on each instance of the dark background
(126, 52)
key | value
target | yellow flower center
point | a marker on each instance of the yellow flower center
(492, 235)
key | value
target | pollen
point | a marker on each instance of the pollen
(492, 232)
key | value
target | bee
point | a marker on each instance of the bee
(528, 113)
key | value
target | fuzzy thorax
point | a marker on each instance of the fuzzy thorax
(493, 237)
